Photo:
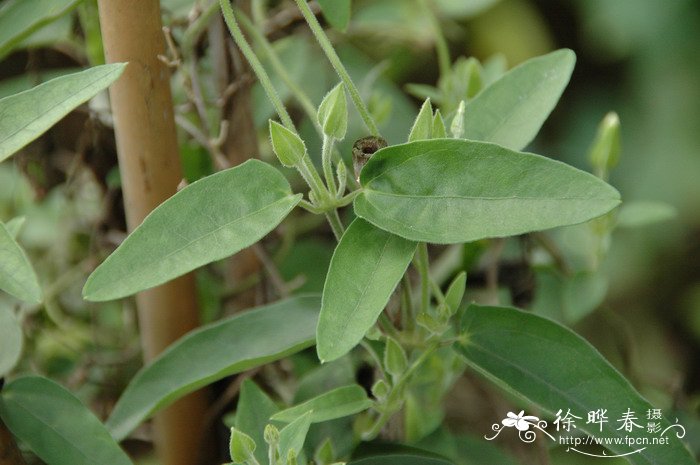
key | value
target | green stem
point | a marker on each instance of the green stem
(422, 264)
(443, 51)
(279, 68)
(255, 64)
(332, 56)
(407, 317)
(336, 224)
(437, 292)
(313, 179)
(326, 153)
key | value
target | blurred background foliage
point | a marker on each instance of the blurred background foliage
(640, 306)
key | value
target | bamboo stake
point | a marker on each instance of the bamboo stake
(150, 171)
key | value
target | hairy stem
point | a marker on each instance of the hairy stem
(332, 56)
(279, 68)
(255, 64)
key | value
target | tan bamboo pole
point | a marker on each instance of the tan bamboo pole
(150, 171)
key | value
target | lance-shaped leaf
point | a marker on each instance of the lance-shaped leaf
(554, 368)
(208, 220)
(210, 353)
(293, 435)
(365, 268)
(17, 277)
(55, 425)
(337, 403)
(27, 115)
(423, 125)
(451, 191)
(510, 112)
(333, 113)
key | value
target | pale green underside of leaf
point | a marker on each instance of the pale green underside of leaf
(10, 340)
(511, 111)
(55, 425)
(450, 191)
(17, 277)
(210, 353)
(554, 368)
(337, 403)
(20, 18)
(27, 115)
(208, 220)
(365, 268)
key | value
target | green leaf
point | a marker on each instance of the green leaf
(17, 277)
(241, 447)
(439, 131)
(27, 115)
(643, 213)
(457, 125)
(395, 361)
(366, 267)
(14, 226)
(208, 220)
(337, 12)
(423, 125)
(55, 425)
(333, 113)
(253, 412)
(288, 146)
(451, 191)
(20, 18)
(455, 293)
(605, 151)
(511, 111)
(402, 459)
(10, 340)
(554, 368)
(293, 435)
(337, 403)
(212, 352)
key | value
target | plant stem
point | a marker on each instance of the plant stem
(336, 224)
(443, 51)
(422, 264)
(407, 316)
(279, 68)
(326, 153)
(255, 64)
(332, 56)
